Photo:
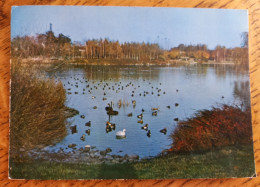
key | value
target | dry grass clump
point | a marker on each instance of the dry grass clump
(37, 109)
(224, 126)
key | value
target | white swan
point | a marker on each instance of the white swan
(121, 133)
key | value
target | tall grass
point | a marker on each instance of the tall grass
(223, 126)
(37, 109)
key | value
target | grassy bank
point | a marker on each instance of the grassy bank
(232, 161)
(37, 110)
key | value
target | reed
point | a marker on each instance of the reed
(37, 110)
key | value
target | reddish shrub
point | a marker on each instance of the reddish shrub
(227, 125)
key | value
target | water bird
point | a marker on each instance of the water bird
(104, 98)
(222, 97)
(82, 116)
(88, 131)
(142, 110)
(130, 114)
(76, 92)
(109, 107)
(73, 129)
(112, 112)
(176, 104)
(140, 116)
(88, 124)
(176, 119)
(177, 90)
(140, 121)
(164, 131)
(82, 137)
(154, 113)
(94, 107)
(145, 127)
(149, 133)
(93, 97)
(168, 106)
(121, 134)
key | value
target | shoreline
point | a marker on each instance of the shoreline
(116, 62)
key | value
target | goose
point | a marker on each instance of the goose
(140, 116)
(145, 127)
(88, 131)
(164, 131)
(82, 137)
(121, 134)
(149, 133)
(88, 124)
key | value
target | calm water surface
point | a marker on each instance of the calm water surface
(199, 87)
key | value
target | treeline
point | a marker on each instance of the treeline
(49, 45)
(201, 53)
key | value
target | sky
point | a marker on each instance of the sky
(168, 27)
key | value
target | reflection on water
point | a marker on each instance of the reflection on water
(176, 92)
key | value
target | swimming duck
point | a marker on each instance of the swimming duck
(140, 116)
(176, 104)
(130, 114)
(88, 124)
(176, 119)
(145, 127)
(164, 131)
(154, 113)
(149, 133)
(155, 108)
(82, 137)
(88, 131)
(109, 107)
(82, 116)
(169, 106)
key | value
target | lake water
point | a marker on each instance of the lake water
(193, 87)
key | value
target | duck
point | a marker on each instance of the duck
(93, 97)
(154, 113)
(140, 116)
(130, 114)
(176, 119)
(88, 131)
(88, 124)
(140, 121)
(82, 116)
(168, 106)
(155, 108)
(94, 107)
(82, 137)
(176, 104)
(149, 133)
(142, 110)
(145, 127)
(164, 131)
(73, 129)
(121, 134)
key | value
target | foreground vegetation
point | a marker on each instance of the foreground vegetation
(38, 113)
(218, 127)
(232, 161)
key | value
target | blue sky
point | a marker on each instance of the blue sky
(167, 26)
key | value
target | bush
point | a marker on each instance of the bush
(227, 125)
(37, 109)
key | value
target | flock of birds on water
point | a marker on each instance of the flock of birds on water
(116, 87)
